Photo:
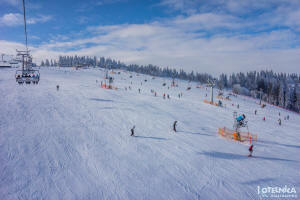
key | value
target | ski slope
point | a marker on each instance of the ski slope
(75, 143)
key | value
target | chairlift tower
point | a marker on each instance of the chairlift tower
(260, 95)
(212, 84)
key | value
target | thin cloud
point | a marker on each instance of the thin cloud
(16, 19)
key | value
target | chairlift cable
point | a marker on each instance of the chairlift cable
(25, 27)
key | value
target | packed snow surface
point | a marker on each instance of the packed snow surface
(75, 143)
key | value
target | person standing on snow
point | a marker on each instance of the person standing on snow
(174, 126)
(279, 122)
(132, 131)
(250, 151)
(255, 112)
(57, 87)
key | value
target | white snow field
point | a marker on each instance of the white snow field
(75, 143)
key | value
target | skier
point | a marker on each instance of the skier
(279, 122)
(155, 93)
(139, 90)
(168, 96)
(288, 117)
(174, 126)
(132, 131)
(220, 103)
(264, 119)
(57, 87)
(164, 95)
(250, 151)
(255, 112)
(238, 106)
(279, 113)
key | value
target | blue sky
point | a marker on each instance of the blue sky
(211, 36)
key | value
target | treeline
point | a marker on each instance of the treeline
(86, 61)
(279, 89)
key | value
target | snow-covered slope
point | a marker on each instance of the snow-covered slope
(75, 143)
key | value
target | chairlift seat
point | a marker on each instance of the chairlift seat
(27, 76)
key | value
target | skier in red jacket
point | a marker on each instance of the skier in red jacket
(250, 150)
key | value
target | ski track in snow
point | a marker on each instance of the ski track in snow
(75, 143)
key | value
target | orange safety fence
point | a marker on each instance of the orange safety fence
(223, 98)
(237, 136)
(104, 86)
(209, 102)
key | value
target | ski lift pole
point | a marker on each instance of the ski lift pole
(212, 94)
(25, 27)
(260, 96)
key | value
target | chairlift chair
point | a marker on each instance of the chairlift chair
(27, 76)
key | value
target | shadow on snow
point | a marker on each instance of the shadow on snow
(231, 156)
(187, 132)
(154, 138)
(276, 143)
(102, 100)
(259, 181)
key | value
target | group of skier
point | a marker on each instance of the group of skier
(240, 120)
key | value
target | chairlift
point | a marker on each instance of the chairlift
(27, 74)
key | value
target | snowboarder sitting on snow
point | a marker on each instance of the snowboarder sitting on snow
(174, 126)
(250, 150)
(240, 119)
(132, 131)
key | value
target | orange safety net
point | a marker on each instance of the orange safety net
(245, 137)
(209, 102)
(104, 86)
(224, 98)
